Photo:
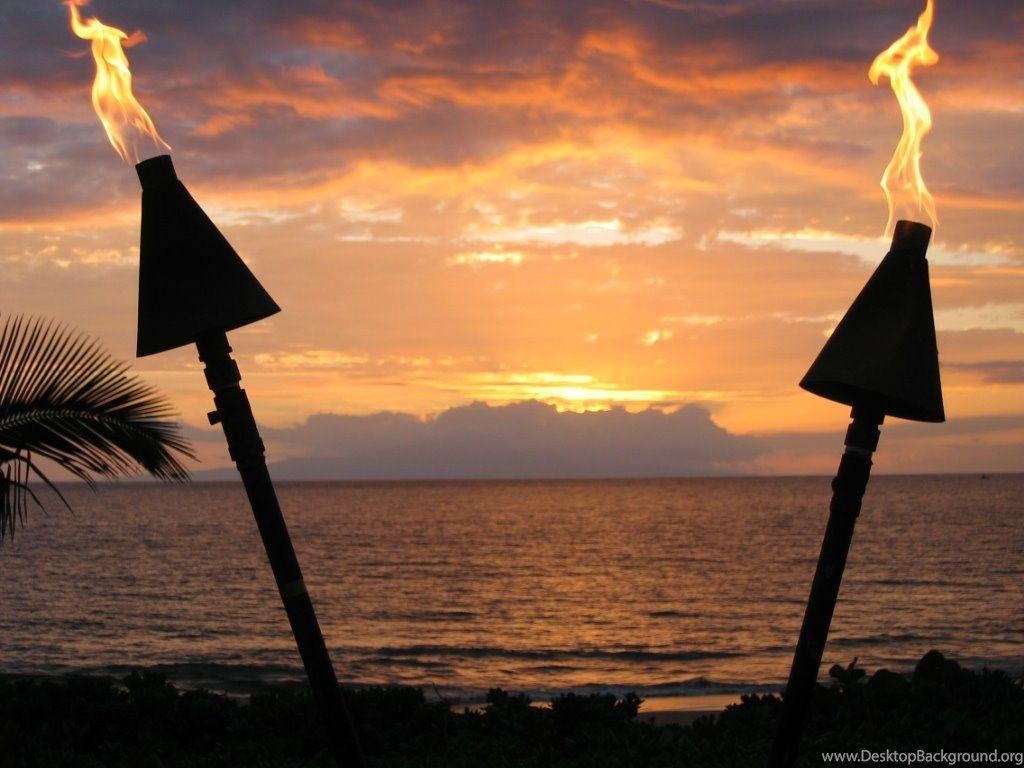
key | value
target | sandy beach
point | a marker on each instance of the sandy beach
(683, 710)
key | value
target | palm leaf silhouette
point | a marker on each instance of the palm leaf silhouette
(63, 398)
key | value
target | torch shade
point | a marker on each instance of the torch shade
(191, 281)
(883, 353)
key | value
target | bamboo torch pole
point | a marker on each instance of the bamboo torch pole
(847, 493)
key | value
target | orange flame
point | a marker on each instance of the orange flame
(112, 96)
(897, 62)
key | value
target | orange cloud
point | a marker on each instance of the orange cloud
(451, 204)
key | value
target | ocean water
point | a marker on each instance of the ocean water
(663, 587)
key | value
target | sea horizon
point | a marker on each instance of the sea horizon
(231, 477)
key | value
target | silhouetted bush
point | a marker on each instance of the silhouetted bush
(147, 723)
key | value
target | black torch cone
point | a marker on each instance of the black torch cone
(193, 288)
(191, 281)
(883, 352)
(882, 360)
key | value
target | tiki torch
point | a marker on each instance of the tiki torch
(193, 288)
(882, 360)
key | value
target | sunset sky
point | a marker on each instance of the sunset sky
(631, 205)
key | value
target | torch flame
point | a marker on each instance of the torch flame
(897, 62)
(112, 96)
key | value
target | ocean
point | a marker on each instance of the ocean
(668, 588)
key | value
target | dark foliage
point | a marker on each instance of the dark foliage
(63, 398)
(147, 723)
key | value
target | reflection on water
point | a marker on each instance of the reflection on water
(662, 586)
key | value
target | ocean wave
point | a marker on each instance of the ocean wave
(541, 654)
(882, 639)
(212, 675)
(916, 582)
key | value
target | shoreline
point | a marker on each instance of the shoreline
(670, 707)
(681, 710)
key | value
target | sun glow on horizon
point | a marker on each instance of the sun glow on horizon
(567, 391)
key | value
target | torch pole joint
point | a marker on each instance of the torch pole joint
(863, 432)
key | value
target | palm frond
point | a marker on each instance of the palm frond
(63, 398)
